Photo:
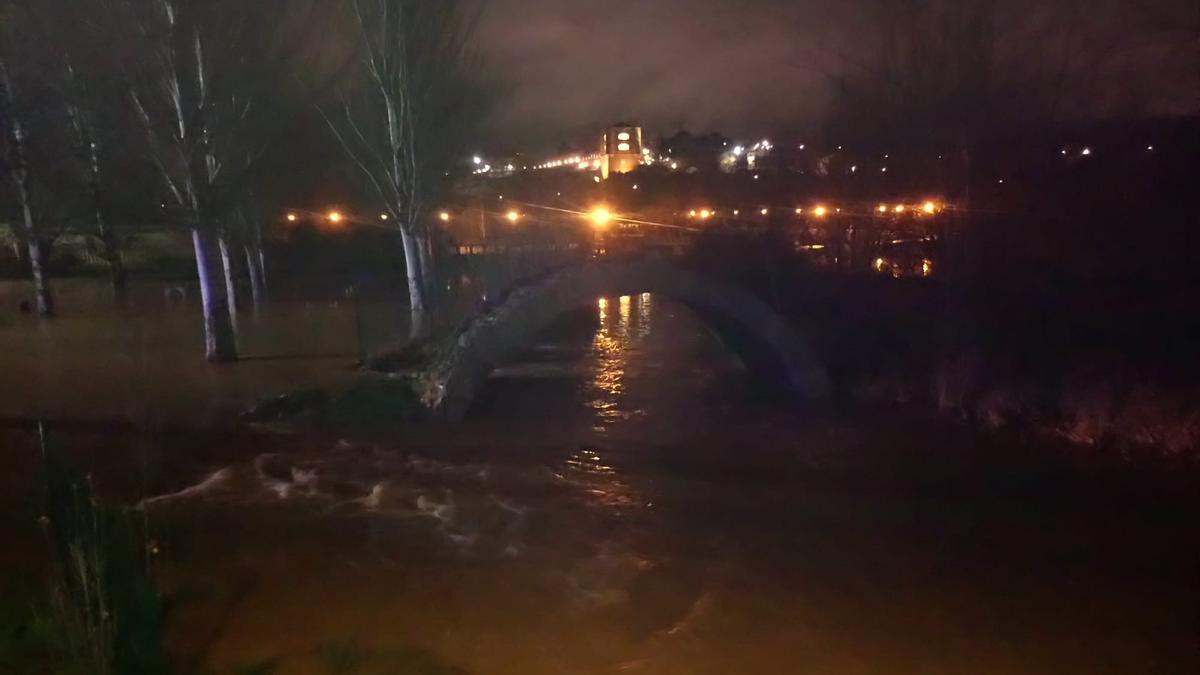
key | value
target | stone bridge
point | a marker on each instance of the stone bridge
(771, 349)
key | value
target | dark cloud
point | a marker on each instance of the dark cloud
(754, 66)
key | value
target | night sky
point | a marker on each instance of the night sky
(760, 66)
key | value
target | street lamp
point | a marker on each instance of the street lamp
(444, 216)
(820, 211)
(513, 216)
(600, 217)
(335, 217)
(929, 207)
(291, 217)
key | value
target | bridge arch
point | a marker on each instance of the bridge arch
(771, 348)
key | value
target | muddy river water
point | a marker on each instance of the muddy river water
(619, 501)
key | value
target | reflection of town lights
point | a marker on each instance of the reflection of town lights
(291, 217)
(445, 216)
(820, 211)
(926, 267)
(601, 217)
(513, 216)
(879, 263)
(929, 207)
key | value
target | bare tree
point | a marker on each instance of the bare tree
(16, 159)
(81, 105)
(402, 121)
(203, 69)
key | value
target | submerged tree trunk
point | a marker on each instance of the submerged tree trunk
(227, 266)
(220, 342)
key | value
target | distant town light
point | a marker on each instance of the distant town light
(705, 214)
(883, 208)
(879, 264)
(899, 208)
(635, 186)
(765, 211)
(383, 216)
(736, 212)
(335, 217)
(622, 147)
(799, 212)
(623, 136)
(692, 213)
(1085, 152)
(444, 216)
(929, 207)
(291, 217)
(820, 211)
(1150, 148)
(513, 216)
(477, 159)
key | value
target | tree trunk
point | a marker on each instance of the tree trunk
(37, 266)
(108, 237)
(428, 269)
(227, 265)
(416, 288)
(253, 266)
(412, 265)
(220, 342)
(21, 177)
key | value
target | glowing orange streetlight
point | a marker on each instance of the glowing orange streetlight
(820, 211)
(899, 208)
(705, 214)
(335, 217)
(444, 216)
(513, 216)
(600, 217)
(929, 207)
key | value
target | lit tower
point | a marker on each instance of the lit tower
(621, 151)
